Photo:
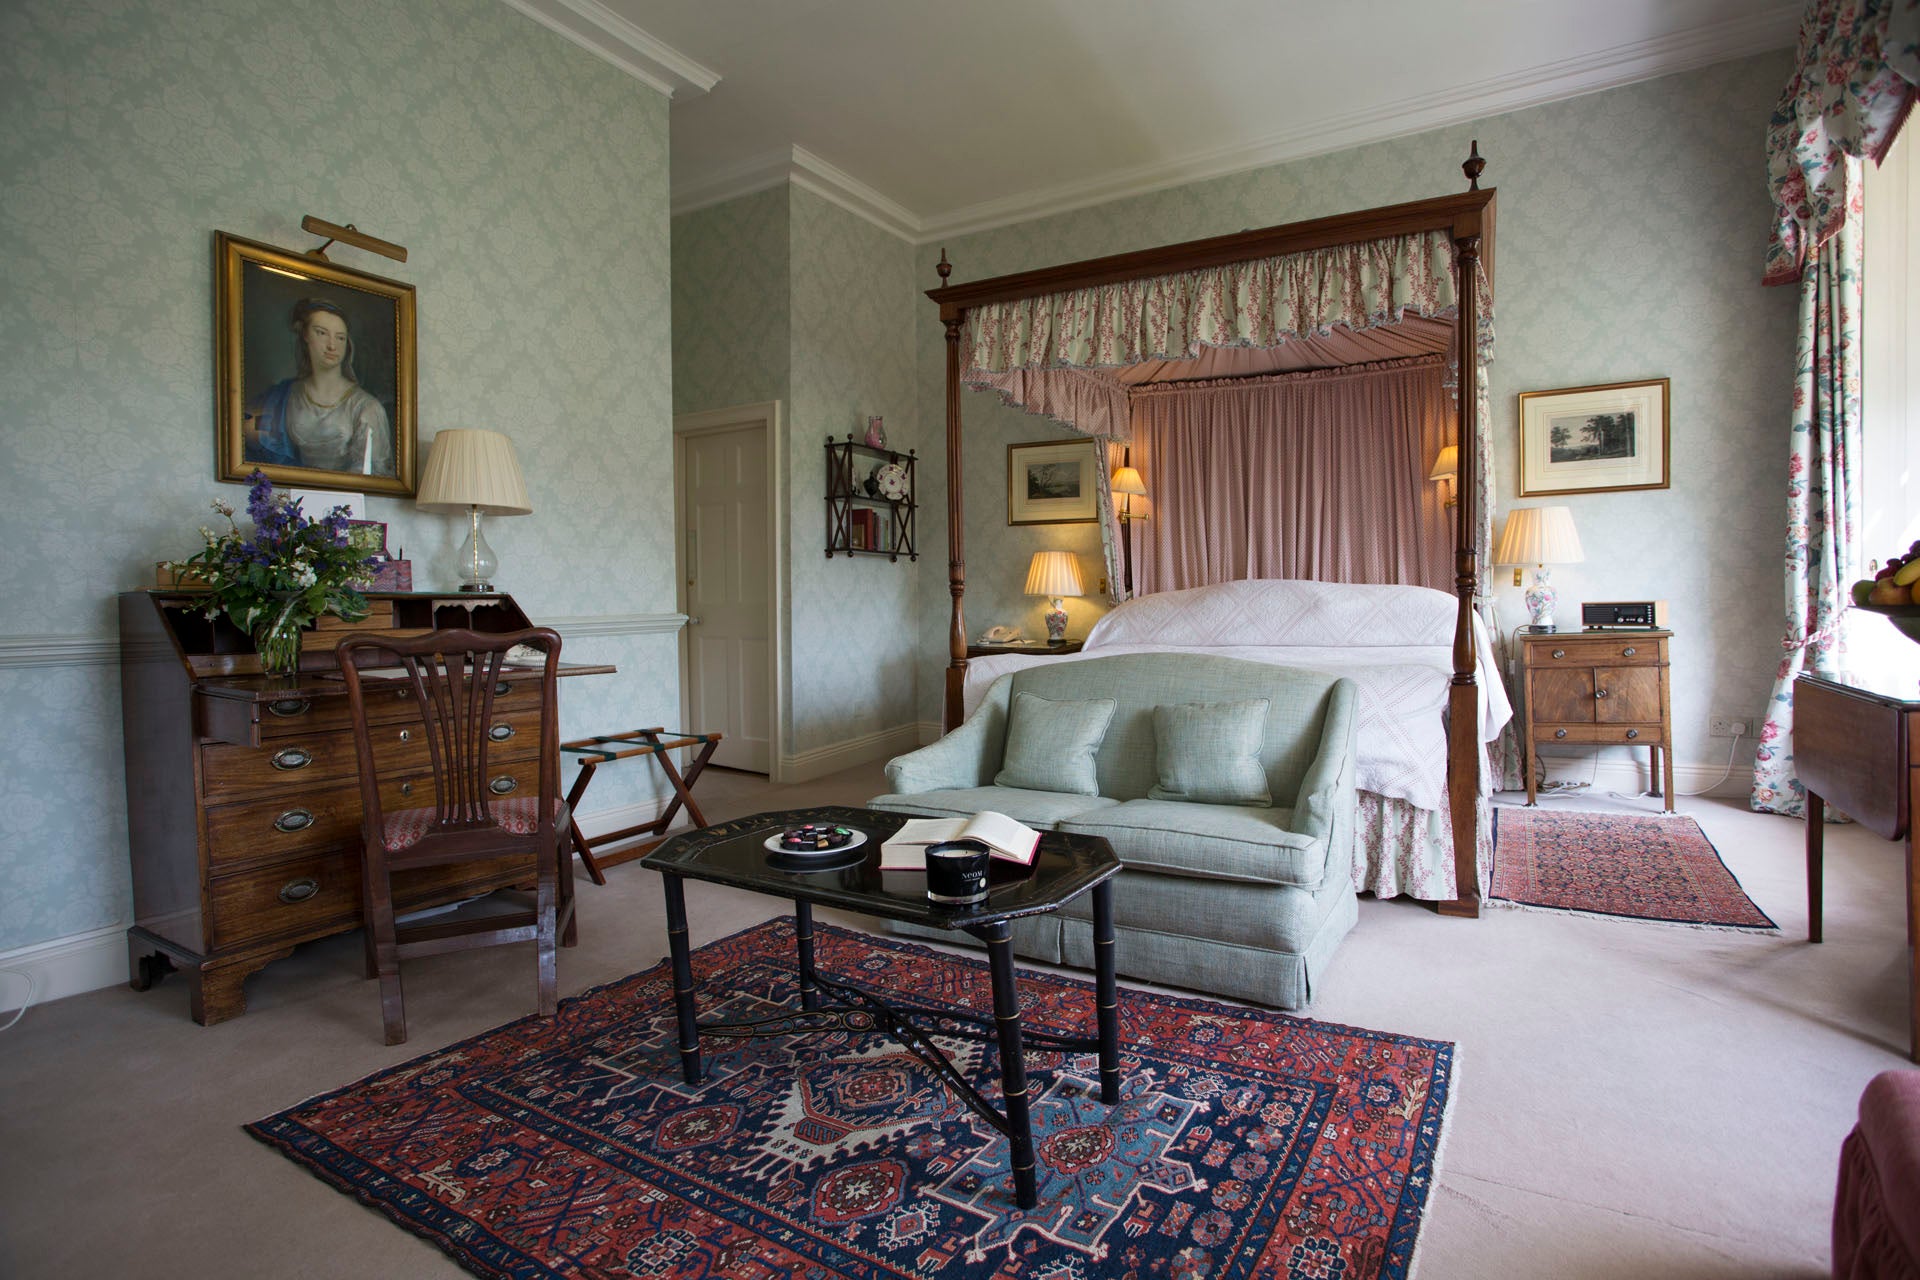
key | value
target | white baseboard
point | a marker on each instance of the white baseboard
(65, 966)
(1629, 777)
(805, 766)
(931, 731)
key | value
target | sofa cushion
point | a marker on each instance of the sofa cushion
(1209, 752)
(1042, 809)
(1050, 744)
(1207, 841)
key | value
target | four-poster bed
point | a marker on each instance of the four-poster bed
(1070, 341)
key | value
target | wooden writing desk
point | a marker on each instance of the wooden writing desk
(1856, 745)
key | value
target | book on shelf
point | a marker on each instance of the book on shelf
(1006, 838)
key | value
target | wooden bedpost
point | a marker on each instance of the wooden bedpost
(1464, 747)
(956, 516)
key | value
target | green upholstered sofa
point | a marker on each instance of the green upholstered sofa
(1233, 899)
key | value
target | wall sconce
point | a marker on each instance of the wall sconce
(1447, 467)
(1131, 489)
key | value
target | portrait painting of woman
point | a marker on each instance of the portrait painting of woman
(316, 372)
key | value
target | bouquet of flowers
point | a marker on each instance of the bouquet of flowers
(288, 571)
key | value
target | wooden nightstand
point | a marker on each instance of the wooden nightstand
(1041, 649)
(1604, 688)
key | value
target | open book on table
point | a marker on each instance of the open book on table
(906, 849)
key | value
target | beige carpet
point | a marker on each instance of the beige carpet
(1634, 1100)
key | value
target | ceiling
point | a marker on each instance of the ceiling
(934, 119)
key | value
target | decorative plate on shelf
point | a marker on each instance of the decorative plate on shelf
(891, 479)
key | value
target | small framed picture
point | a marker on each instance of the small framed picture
(1052, 482)
(1602, 439)
(369, 537)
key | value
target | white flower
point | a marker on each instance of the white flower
(304, 576)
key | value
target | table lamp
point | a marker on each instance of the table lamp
(1447, 467)
(473, 471)
(1055, 574)
(1538, 536)
(1132, 492)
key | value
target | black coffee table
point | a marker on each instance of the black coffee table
(734, 853)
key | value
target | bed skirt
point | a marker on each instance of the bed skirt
(1400, 849)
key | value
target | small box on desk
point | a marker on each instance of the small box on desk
(393, 575)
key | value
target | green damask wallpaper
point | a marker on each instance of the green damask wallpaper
(529, 181)
(1632, 225)
(732, 316)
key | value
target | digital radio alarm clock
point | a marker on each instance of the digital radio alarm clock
(1624, 613)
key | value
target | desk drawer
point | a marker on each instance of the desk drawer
(276, 827)
(1628, 735)
(291, 765)
(313, 896)
(384, 704)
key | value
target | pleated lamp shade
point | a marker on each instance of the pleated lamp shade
(1054, 573)
(1127, 480)
(1538, 535)
(1447, 465)
(471, 468)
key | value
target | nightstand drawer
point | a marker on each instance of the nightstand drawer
(1592, 651)
(1631, 735)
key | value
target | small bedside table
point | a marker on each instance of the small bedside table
(1604, 688)
(1039, 649)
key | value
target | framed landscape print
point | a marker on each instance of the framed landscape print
(314, 371)
(1052, 482)
(1600, 439)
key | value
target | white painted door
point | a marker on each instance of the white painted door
(725, 509)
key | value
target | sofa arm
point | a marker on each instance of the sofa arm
(970, 756)
(1329, 779)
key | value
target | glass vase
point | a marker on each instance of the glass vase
(277, 641)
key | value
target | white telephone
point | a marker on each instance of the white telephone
(1001, 635)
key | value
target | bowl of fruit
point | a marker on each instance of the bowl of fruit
(1894, 592)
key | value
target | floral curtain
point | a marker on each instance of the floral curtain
(1853, 83)
(1821, 503)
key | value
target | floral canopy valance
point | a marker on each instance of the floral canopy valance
(1021, 348)
(1853, 83)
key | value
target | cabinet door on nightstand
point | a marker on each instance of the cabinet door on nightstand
(1632, 695)
(1561, 695)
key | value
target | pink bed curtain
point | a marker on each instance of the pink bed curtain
(1319, 476)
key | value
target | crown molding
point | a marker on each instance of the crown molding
(611, 38)
(803, 169)
(1772, 28)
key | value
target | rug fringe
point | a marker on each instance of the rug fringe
(1508, 904)
(1439, 1152)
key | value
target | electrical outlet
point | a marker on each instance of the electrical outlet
(1726, 727)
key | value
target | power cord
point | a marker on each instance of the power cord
(1726, 773)
(21, 1012)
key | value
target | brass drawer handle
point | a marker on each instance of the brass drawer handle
(1559, 653)
(293, 820)
(1632, 734)
(500, 732)
(1559, 733)
(285, 707)
(292, 758)
(1628, 652)
(295, 891)
(505, 784)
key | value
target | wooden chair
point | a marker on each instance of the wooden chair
(453, 676)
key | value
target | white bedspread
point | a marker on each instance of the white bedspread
(1394, 642)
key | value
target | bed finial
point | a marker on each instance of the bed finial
(944, 267)
(1472, 167)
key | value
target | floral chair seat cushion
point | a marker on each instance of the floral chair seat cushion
(406, 827)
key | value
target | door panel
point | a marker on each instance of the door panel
(726, 506)
(1563, 696)
(1632, 694)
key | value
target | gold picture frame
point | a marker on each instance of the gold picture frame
(1608, 438)
(315, 383)
(1052, 482)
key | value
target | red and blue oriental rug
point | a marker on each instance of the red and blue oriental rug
(1247, 1143)
(1640, 866)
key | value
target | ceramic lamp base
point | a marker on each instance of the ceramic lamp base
(1540, 598)
(1057, 623)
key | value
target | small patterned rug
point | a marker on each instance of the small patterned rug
(1247, 1143)
(1617, 864)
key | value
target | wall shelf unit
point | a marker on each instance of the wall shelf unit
(871, 501)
